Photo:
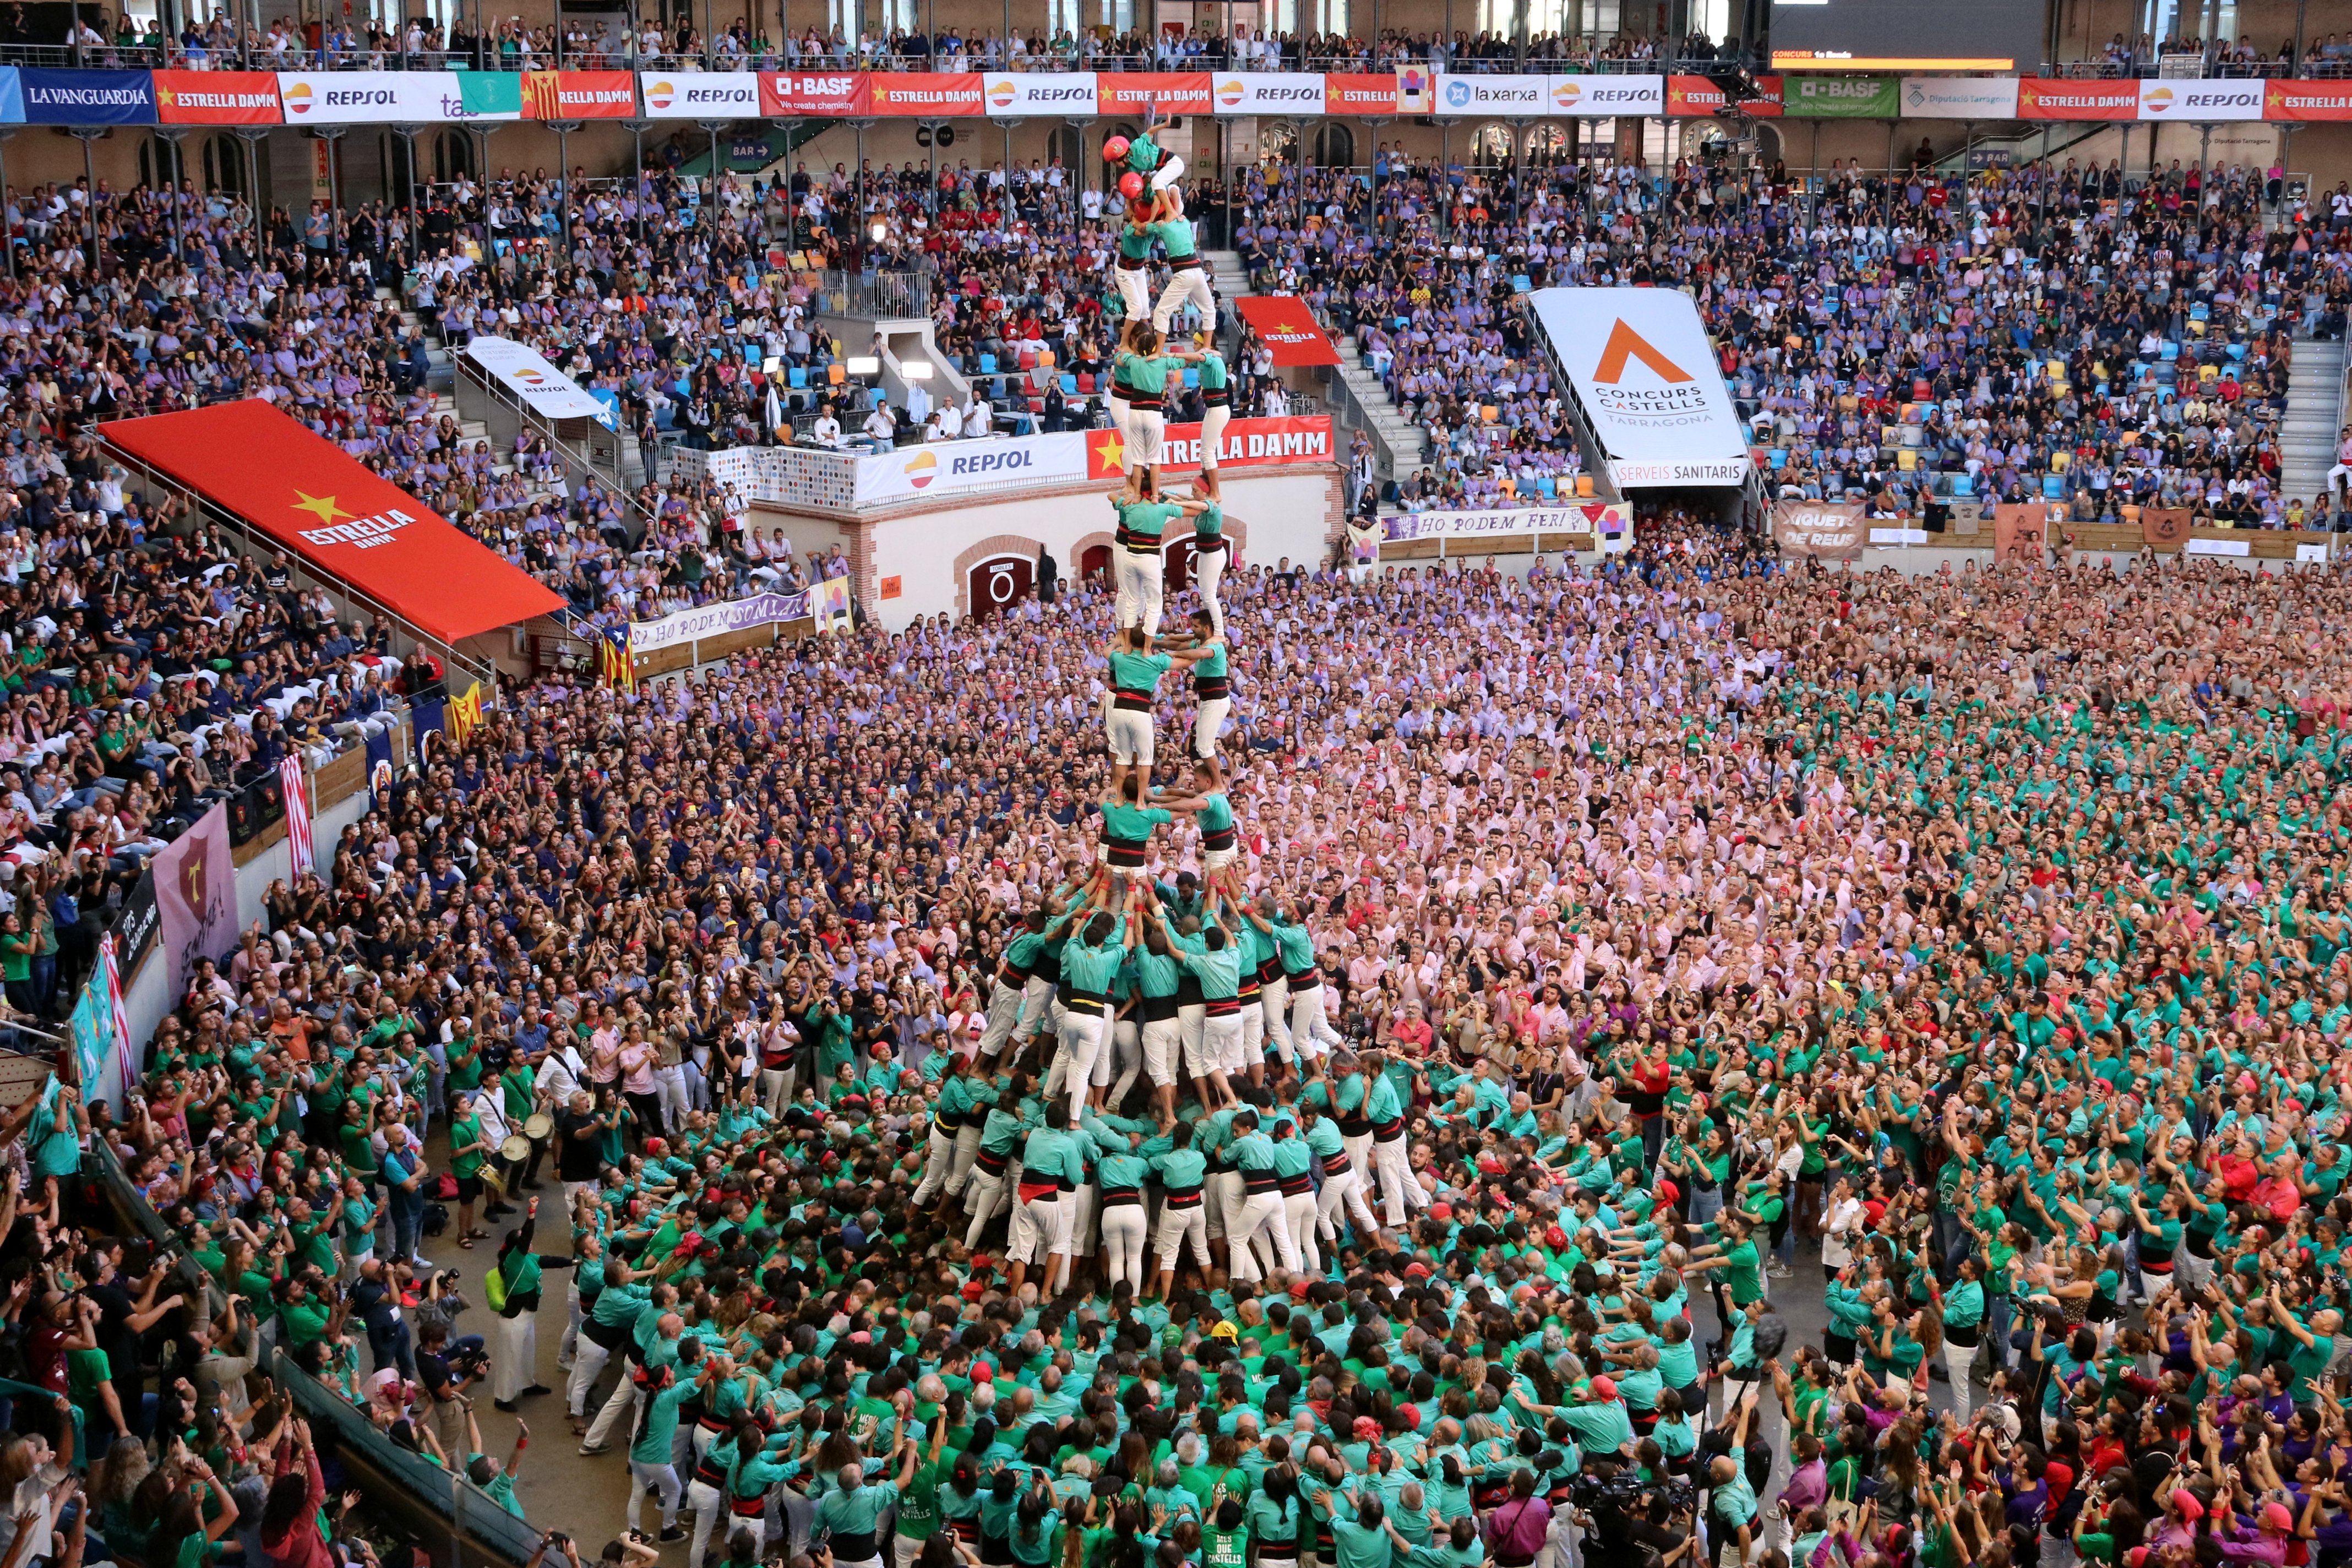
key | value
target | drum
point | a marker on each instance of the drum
(538, 1125)
(516, 1149)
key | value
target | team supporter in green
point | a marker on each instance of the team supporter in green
(662, 1389)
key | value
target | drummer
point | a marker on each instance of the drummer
(509, 1148)
(471, 1149)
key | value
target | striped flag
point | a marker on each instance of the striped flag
(615, 666)
(297, 791)
(118, 1015)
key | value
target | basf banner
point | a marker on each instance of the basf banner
(520, 368)
(1025, 94)
(1643, 370)
(783, 93)
(700, 95)
(1270, 92)
(2199, 102)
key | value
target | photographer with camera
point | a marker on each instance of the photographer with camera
(448, 1368)
(1628, 1522)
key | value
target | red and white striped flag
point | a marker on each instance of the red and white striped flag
(298, 813)
(118, 1015)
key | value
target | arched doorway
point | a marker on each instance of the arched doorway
(224, 164)
(1548, 145)
(1176, 568)
(1068, 144)
(1277, 139)
(1094, 565)
(1000, 582)
(1490, 148)
(452, 155)
(1335, 145)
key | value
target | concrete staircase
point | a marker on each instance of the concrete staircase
(1405, 445)
(1230, 278)
(2315, 399)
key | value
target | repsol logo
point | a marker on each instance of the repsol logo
(1287, 94)
(991, 463)
(356, 98)
(1059, 94)
(716, 95)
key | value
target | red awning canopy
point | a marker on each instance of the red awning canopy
(309, 494)
(1288, 329)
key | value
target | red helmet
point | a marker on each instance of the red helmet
(1115, 150)
(1130, 184)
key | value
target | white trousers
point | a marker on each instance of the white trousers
(1186, 286)
(620, 1407)
(588, 1358)
(1344, 1189)
(939, 1159)
(664, 1478)
(1273, 1001)
(1260, 1214)
(1221, 1043)
(708, 1506)
(1128, 731)
(1397, 1186)
(1192, 1020)
(1212, 433)
(1299, 1215)
(1134, 290)
(1208, 723)
(1162, 1039)
(1146, 428)
(1179, 1226)
(1073, 1060)
(1139, 590)
(988, 1193)
(1209, 566)
(1309, 1031)
(514, 1355)
(1122, 1244)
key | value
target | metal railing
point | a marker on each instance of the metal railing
(580, 458)
(882, 296)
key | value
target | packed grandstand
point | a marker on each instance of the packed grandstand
(1597, 1011)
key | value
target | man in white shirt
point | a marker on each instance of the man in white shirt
(880, 428)
(951, 420)
(979, 418)
(826, 431)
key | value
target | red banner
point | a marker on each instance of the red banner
(797, 92)
(579, 95)
(1132, 92)
(920, 95)
(1288, 328)
(1696, 97)
(2052, 98)
(1246, 444)
(1361, 94)
(2290, 101)
(217, 98)
(306, 492)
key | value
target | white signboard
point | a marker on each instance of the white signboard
(2220, 547)
(1960, 98)
(1643, 368)
(1519, 96)
(2199, 102)
(1039, 93)
(544, 389)
(700, 95)
(1267, 93)
(1507, 525)
(1590, 97)
(950, 467)
(372, 97)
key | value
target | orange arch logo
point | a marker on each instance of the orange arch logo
(921, 469)
(1625, 343)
